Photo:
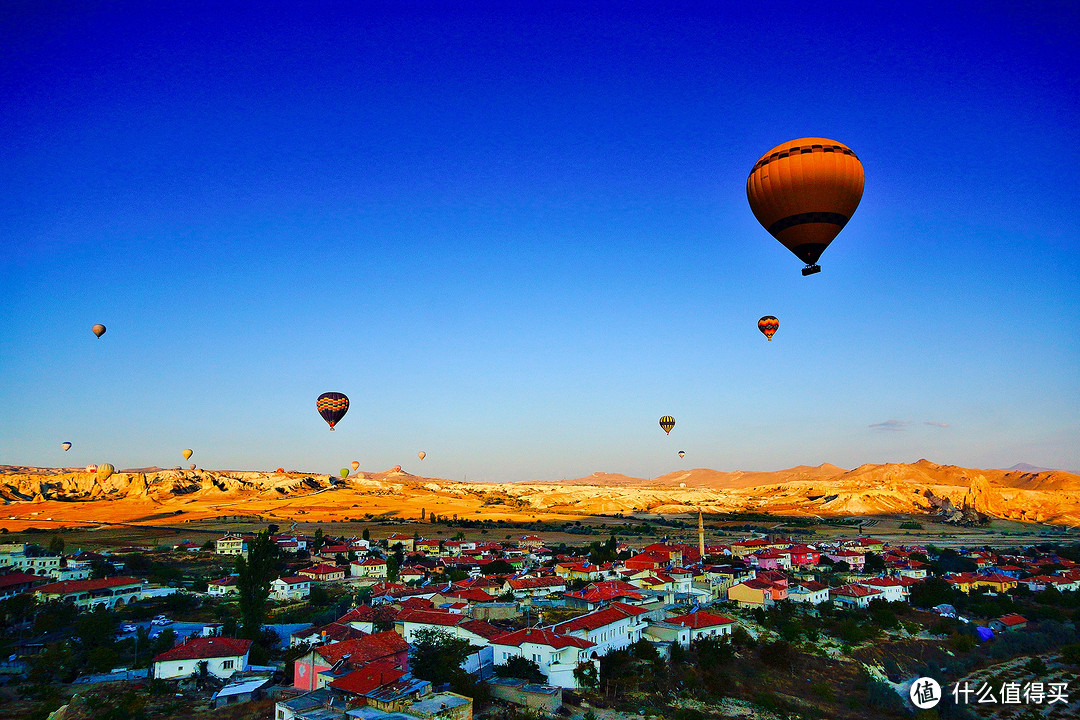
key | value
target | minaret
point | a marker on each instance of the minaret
(701, 535)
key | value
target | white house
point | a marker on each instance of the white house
(809, 592)
(370, 568)
(704, 624)
(556, 655)
(854, 595)
(614, 627)
(892, 589)
(294, 587)
(231, 544)
(223, 657)
(223, 586)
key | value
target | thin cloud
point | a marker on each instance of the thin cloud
(935, 424)
(891, 425)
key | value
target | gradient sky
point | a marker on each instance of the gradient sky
(516, 238)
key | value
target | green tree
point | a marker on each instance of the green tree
(520, 667)
(366, 534)
(437, 656)
(56, 545)
(498, 567)
(931, 592)
(317, 541)
(254, 575)
(394, 562)
(587, 677)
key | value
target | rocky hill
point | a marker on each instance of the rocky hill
(923, 487)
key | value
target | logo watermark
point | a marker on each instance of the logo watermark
(926, 693)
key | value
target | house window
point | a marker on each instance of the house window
(180, 668)
(227, 665)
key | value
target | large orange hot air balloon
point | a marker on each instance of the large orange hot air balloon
(667, 422)
(804, 192)
(768, 326)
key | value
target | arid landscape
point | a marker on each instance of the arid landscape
(60, 497)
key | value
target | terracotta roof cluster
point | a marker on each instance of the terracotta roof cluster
(613, 613)
(369, 677)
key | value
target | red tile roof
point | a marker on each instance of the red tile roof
(1012, 619)
(430, 617)
(541, 636)
(700, 619)
(76, 586)
(599, 618)
(369, 677)
(206, 648)
(366, 649)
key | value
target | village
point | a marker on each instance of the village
(396, 626)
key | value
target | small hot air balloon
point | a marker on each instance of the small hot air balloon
(280, 470)
(66, 445)
(355, 464)
(396, 468)
(344, 472)
(186, 453)
(421, 454)
(804, 192)
(191, 466)
(91, 468)
(98, 330)
(667, 422)
(332, 406)
(768, 326)
(104, 472)
(682, 453)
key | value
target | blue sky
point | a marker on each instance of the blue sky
(516, 238)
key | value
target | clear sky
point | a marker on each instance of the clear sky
(516, 238)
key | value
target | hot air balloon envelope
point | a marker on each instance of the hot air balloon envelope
(768, 326)
(104, 472)
(344, 472)
(332, 406)
(355, 465)
(66, 445)
(804, 192)
(187, 454)
(682, 453)
(667, 422)
(98, 330)
(191, 466)
(421, 454)
(91, 468)
(280, 470)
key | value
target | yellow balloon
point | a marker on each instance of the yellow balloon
(187, 454)
(105, 471)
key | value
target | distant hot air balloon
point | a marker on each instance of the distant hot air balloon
(332, 406)
(421, 454)
(104, 472)
(344, 472)
(682, 453)
(396, 468)
(804, 192)
(66, 445)
(191, 466)
(355, 465)
(91, 468)
(186, 453)
(768, 326)
(667, 422)
(98, 330)
(280, 470)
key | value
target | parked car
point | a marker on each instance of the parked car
(128, 628)
(161, 620)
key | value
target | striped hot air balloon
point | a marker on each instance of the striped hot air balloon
(105, 471)
(332, 406)
(804, 192)
(768, 326)
(667, 422)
